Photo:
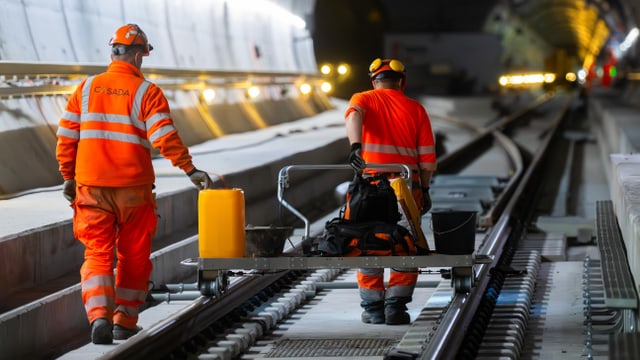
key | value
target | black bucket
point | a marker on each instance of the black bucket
(265, 241)
(454, 231)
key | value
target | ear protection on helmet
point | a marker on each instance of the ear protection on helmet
(118, 50)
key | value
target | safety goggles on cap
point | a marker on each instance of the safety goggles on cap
(379, 65)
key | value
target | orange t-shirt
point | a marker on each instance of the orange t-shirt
(395, 129)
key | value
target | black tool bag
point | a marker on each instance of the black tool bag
(371, 199)
(371, 238)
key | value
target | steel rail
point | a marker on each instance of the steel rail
(457, 319)
(181, 327)
(204, 308)
(460, 158)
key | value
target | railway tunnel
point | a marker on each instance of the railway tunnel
(454, 51)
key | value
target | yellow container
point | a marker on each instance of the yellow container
(221, 225)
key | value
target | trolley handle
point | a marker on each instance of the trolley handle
(283, 182)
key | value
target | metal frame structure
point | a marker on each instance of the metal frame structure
(213, 272)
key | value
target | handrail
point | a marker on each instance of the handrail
(24, 68)
(33, 78)
(283, 182)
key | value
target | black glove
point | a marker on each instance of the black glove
(355, 159)
(200, 179)
(426, 201)
(69, 189)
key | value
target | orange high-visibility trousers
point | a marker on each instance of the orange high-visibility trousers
(402, 282)
(121, 221)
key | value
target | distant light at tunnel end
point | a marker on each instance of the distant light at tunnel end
(526, 79)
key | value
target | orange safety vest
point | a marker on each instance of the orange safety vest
(395, 129)
(109, 126)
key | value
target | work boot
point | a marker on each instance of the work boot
(373, 312)
(395, 311)
(394, 315)
(101, 332)
(123, 333)
(373, 317)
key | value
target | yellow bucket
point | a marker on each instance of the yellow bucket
(221, 223)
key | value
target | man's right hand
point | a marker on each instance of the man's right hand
(426, 201)
(355, 159)
(69, 189)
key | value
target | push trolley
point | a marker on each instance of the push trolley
(213, 278)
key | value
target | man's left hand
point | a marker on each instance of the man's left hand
(200, 179)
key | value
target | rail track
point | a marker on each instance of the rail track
(250, 303)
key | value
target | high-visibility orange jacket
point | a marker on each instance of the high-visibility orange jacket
(109, 126)
(395, 129)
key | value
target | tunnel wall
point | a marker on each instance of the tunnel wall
(216, 34)
(248, 35)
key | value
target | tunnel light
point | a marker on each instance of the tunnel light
(326, 69)
(326, 87)
(629, 40)
(209, 95)
(305, 88)
(526, 79)
(582, 75)
(343, 69)
(253, 92)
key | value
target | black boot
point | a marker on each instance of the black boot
(395, 311)
(101, 331)
(373, 312)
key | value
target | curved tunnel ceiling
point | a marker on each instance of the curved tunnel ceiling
(580, 28)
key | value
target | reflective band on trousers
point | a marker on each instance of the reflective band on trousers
(131, 294)
(101, 300)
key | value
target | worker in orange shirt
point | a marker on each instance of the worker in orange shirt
(385, 126)
(105, 136)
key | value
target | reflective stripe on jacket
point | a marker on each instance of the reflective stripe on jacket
(109, 126)
(395, 129)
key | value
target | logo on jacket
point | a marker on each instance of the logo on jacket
(110, 91)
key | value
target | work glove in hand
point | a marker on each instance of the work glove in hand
(200, 179)
(69, 189)
(355, 159)
(426, 200)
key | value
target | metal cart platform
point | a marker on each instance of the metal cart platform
(213, 272)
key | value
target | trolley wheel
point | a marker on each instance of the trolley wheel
(208, 288)
(462, 279)
(212, 282)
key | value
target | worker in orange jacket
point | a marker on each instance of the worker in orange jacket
(105, 136)
(384, 126)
